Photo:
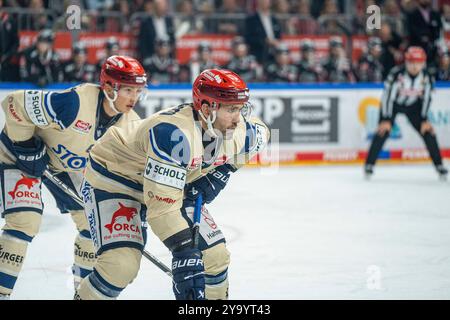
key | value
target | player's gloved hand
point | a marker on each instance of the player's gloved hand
(384, 127)
(426, 127)
(210, 185)
(31, 157)
(188, 275)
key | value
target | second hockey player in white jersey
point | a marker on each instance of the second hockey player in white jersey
(153, 171)
(56, 130)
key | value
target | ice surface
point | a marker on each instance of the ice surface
(302, 233)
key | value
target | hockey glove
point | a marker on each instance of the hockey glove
(188, 275)
(31, 157)
(209, 185)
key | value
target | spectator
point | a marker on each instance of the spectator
(242, 63)
(303, 22)
(309, 71)
(100, 22)
(359, 19)
(281, 70)
(317, 7)
(230, 23)
(205, 56)
(122, 24)
(391, 44)
(444, 67)
(204, 6)
(186, 22)
(111, 48)
(281, 8)
(39, 19)
(391, 11)
(202, 60)
(425, 29)
(156, 26)
(9, 44)
(77, 69)
(262, 32)
(329, 19)
(337, 67)
(446, 16)
(408, 5)
(138, 5)
(41, 64)
(160, 66)
(369, 67)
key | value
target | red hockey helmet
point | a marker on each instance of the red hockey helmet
(415, 54)
(217, 86)
(122, 70)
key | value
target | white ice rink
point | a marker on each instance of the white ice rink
(302, 233)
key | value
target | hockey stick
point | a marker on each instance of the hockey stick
(78, 200)
(197, 216)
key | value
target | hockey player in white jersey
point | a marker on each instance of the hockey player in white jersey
(56, 130)
(153, 171)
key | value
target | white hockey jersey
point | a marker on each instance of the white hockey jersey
(152, 160)
(67, 122)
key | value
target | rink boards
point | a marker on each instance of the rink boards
(316, 123)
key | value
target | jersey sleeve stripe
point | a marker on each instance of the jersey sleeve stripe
(160, 153)
(107, 174)
(51, 111)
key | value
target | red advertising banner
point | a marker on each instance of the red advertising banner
(187, 45)
(62, 45)
(221, 47)
(95, 43)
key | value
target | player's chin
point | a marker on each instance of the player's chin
(128, 108)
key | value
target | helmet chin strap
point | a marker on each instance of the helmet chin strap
(209, 122)
(111, 101)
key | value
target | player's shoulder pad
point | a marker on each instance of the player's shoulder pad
(62, 107)
(256, 136)
(169, 143)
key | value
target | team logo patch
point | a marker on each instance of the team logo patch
(165, 199)
(210, 231)
(13, 112)
(21, 191)
(120, 221)
(195, 163)
(165, 174)
(260, 137)
(82, 126)
(123, 212)
(24, 181)
(34, 102)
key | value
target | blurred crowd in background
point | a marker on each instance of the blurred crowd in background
(256, 26)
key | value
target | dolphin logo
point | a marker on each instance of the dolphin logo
(24, 181)
(123, 211)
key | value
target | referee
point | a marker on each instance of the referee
(407, 90)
